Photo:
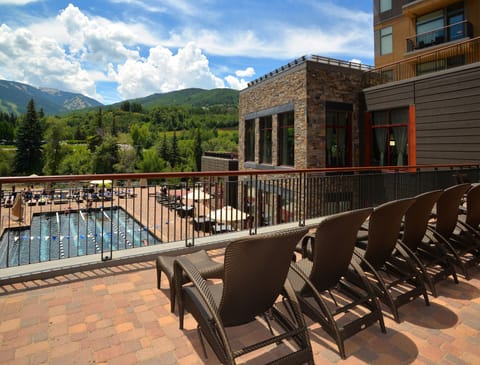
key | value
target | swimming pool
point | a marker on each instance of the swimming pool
(57, 235)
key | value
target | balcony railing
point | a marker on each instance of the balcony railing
(450, 33)
(106, 217)
(453, 55)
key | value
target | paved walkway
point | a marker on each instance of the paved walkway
(117, 316)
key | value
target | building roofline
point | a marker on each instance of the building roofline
(313, 58)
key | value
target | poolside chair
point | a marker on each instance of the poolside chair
(431, 258)
(470, 215)
(342, 309)
(447, 230)
(254, 277)
(391, 270)
(207, 267)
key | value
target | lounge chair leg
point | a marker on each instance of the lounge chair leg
(265, 317)
(199, 330)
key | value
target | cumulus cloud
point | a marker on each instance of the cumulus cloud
(17, 2)
(41, 62)
(248, 72)
(163, 71)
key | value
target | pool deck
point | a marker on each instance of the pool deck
(117, 316)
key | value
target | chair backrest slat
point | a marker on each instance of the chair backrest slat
(384, 229)
(255, 270)
(473, 206)
(333, 246)
(448, 207)
(417, 217)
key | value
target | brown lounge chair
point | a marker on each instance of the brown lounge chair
(254, 277)
(431, 258)
(341, 308)
(391, 270)
(207, 267)
(464, 251)
(470, 215)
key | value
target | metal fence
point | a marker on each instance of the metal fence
(57, 217)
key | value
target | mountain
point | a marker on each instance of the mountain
(14, 97)
(193, 97)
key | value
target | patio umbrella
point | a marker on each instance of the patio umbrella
(197, 195)
(17, 209)
(228, 214)
(102, 183)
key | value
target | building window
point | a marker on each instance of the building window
(441, 26)
(386, 41)
(339, 137)
(385, 5)
(266, 139)
(390, 137)
(286, 139)
(250, 140)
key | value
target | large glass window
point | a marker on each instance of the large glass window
(250, 140)
(339, 138)
(266, 139)
(385, 5)
(286, 138)
(441, 26)
(390, 137)
(386, 40)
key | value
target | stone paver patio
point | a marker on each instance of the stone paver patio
(117, 316)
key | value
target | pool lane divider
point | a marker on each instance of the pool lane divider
(60, 238)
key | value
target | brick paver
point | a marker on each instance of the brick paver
(113, 316)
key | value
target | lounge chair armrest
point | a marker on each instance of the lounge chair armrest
(182, 265)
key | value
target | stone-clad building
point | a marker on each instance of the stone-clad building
(303, 115)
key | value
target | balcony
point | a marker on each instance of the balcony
(104, 307)
(451, 33)
(431, 60)
(70, 223)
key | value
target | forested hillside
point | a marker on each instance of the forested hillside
(158, 133)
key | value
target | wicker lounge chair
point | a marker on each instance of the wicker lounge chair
(207, 267)
(431, 258)
(391, 270)
(464, 251)
(255, 275)
(342, 309)
(470, 215)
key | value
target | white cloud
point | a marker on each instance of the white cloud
(236, 83)
(248, 72)
(17, 2)
(40, 61)
(164, 71)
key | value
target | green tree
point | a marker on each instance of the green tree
(152, 162)
(164, 151)
(28, 158)
(174, 156)
(105, 156)
(197, 150)
(77, 160)
(54, 152)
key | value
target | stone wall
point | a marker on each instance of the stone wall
(305, 88)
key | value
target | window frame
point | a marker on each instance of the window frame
(266, 128)
(387, 124)
(386, 35)
(348, 134)
(286, 122)
(249, 144)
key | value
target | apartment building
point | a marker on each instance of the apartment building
(419, 105)
(426, 106)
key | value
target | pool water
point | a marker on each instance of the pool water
(57, 235)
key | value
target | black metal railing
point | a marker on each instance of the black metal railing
(56, 217)
(454, 55)
(450, 33)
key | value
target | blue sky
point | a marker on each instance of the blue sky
(114, 50)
